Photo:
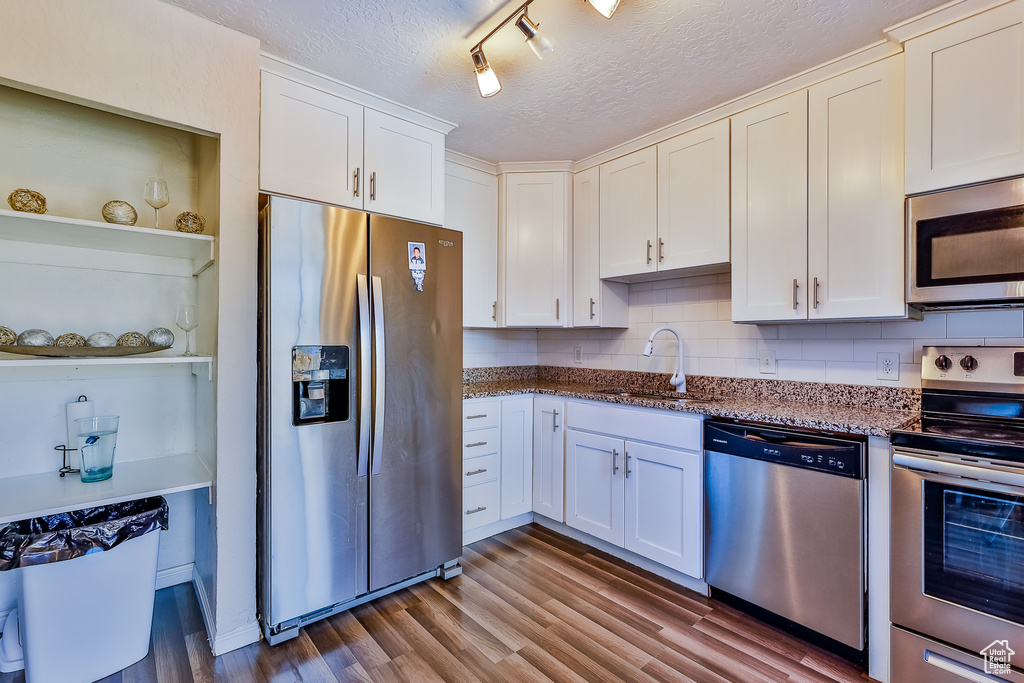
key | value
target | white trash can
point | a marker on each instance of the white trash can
(85, 607)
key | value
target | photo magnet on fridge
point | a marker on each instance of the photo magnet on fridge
(418, 263)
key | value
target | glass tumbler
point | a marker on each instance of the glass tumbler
(97, 438)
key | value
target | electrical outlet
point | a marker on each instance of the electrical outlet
(888, 366)
(577, 354)
(766, 362)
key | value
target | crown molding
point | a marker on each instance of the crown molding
(943, 15)
(535, 166)
(453, 157)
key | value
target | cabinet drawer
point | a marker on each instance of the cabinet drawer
(480, 442)
(480, 470)
(482, 415)
(481, 505)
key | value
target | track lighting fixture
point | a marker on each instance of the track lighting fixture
(486, 79)
(537, 41)
(605, 7)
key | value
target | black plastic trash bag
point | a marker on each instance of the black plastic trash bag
(67, 535)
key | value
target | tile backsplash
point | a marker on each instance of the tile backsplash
(699, 308)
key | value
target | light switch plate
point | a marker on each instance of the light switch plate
(888, 366)
(766, 362)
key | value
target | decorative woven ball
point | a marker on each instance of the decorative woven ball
(71, 339)
(132, 339)
(160, 336)
(190, 222)
(27, 200)
(101, 339)
(7, 336)
(122, 213)
(35, 337)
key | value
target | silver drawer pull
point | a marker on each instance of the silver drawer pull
(958, 669)
(470, 474)
(476, 417)
(473, 512)
(474, 445)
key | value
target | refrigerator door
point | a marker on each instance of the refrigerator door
(313, 503)
(416, 475)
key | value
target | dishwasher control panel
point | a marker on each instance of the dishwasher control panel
(842, 457)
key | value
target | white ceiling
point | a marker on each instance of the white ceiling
(653, 63)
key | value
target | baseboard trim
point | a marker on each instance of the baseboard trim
(172, 576)
(221, 643)
(480, 533)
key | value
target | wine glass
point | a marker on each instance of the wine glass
(157, 197)
(187, 320)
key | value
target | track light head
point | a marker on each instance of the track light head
(486, 79)
(537, 41)
(605, 7)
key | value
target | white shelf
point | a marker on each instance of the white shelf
(19, 226)
(35, 495)
(14, 360)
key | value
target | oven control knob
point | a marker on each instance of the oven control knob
(969, 363)
(943, 363)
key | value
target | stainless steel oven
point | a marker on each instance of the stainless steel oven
(966, 246)
(957, 505)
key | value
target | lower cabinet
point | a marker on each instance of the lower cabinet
(516, 456)
(549, 457)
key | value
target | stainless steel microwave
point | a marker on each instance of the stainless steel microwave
(965, 247)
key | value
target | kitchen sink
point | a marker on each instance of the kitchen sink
(667, 398)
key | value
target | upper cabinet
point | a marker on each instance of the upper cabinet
(471, 206)
(629, 214)
(536, 247)
(818, 202)
(965, 101)
(596, 303)
(316, 145)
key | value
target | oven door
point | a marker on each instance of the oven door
(967, 245)
(958, 550)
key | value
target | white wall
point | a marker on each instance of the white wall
(699, 308)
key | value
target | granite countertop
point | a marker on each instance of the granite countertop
(831, 417)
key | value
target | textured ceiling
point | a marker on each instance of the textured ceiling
(655, 62)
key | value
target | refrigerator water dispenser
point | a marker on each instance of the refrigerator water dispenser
(319, 384)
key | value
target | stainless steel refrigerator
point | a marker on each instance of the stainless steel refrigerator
(360, 371)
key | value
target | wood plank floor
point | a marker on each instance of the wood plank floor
(531, 606)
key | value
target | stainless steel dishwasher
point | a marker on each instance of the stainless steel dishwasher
(785, 525)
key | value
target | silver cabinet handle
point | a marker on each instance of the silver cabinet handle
(815, 293)
(476, 445)
(365, 372)
(494, 311)
(377, 455)
(591, 308)
(628, 458)
(615, 461)
(649, 246)
(795, 287)
(958, 669)
(475, 472)
(373, 186)
(661, 250)
(557, 315)
(479, 509)
(355, 182)
(554, 420)
(475, 417)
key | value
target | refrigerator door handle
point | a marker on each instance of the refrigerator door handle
(376, 454)
(365, 372)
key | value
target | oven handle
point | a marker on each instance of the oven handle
(956, 470)
(968, 673)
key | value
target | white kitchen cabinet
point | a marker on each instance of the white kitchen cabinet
(595, 497)
(693, 198)
(318, 146)
(549, 457)
(535, 238)
(769, 211)
(516, 456)
(596, 302)
(629, 214)
(471, 207)
(965, 101)
(855, 233)
(664, 503)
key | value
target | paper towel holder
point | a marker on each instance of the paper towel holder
(66, 467)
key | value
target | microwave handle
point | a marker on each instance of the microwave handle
(952, 469)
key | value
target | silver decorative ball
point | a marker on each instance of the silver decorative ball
(122, 213)
(35, 337)
(101, 339)
(160, 336)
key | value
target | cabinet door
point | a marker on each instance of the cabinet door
(516, 456)
(664, 505)
(595, 303)
(594, 491)
(404, 169)
(855, 244)
(471, 206)
(693, 198)
(965, 101)
(536, 229)
(549, 457)
(629, 214)
(311, 143)
(769, 211)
